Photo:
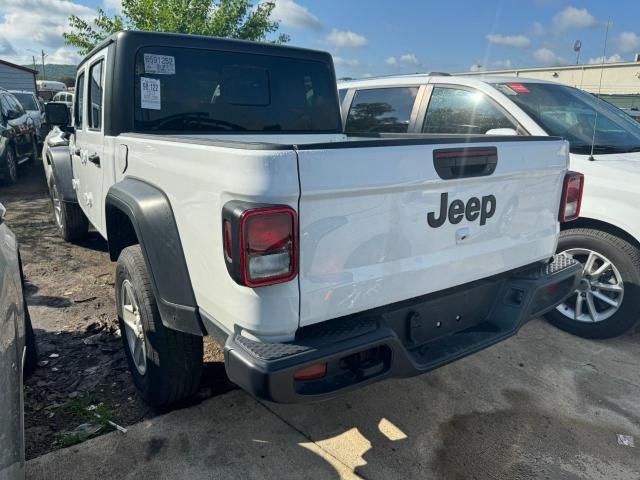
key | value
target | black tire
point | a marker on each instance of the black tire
(626, 258)
(173, 359)
(31, 358)
(71, 221)
(10, 167)
(34, 146)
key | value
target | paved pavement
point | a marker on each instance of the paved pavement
(542, 405)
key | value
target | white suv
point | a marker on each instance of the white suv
(606, 238)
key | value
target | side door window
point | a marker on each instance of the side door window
(461, 111)
(4, 106)
(78, 108)
(381, 110)
(95, 96)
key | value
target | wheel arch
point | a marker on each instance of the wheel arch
(604, 226)
(60, 161)
(137, 212)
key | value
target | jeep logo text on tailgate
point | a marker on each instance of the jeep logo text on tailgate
(482, 208)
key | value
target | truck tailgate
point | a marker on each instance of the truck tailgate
(372, 231)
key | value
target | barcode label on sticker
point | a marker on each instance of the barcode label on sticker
(159, 64)
(150, 93)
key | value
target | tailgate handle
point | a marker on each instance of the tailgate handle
(452, 163)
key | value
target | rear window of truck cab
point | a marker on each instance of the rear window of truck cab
(194, 90)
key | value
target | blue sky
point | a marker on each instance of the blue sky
(378, 37)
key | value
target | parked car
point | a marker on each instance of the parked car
(18, 138)
(34, 109)
(47, 89)
(607, 236)
(235, 206)
(18, 355)
(63, 97)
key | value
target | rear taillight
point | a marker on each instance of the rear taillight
(571, 196)
(260, 243)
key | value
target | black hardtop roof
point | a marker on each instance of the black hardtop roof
(132, 40)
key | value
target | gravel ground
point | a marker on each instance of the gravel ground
(83, 370)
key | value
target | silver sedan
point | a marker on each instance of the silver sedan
(18, 356)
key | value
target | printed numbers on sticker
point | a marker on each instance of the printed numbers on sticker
(159, 64)
(150, 93)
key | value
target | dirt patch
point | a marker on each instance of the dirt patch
(82, 381)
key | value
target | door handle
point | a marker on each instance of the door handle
(94, 158)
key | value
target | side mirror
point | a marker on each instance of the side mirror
(507, 132)
(3, 212)
(57, 114)
(12, 115)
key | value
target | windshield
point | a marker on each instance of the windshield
(27, 101)
(571, 113)
(190, 90)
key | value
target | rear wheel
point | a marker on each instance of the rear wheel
(71, 221)
(165, 364)
(607, 301)
(34, 149)
(11, 167)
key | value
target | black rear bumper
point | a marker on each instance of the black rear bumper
(400, 340)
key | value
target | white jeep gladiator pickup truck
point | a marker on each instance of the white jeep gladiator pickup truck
(235, 206)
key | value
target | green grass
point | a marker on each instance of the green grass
(76, 412)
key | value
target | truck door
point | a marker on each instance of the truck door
(88, 150)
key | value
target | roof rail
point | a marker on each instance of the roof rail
(439, 74)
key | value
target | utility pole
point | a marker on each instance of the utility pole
(44, 74)
(33, 57)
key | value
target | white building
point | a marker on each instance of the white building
(17, 77)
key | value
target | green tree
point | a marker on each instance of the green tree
(220, 18)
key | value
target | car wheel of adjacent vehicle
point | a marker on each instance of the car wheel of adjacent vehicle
(166, 364)
(31, 359)
(71, 221)
(34, 149)
(11, 167)
(607, 302)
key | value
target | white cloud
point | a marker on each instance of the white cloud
(406, 59)
(65, 56)
(5, 47)
(37, 24)
(501, 63)
(409, 59)
(615, 58)
(517, 41)
(629, 42)
(546, 56)
(346, 62)
(537, 29)
(113, 5)
(292, 15)
(572, 17)
(346, 39)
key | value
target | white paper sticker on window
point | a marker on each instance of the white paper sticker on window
(150, 93)
(159, 64)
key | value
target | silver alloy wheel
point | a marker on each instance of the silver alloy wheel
(133, 327)
(57, 205)
(12, 167)
(601, 290)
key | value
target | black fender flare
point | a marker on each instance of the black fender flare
(149, 211)
(60, 160)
